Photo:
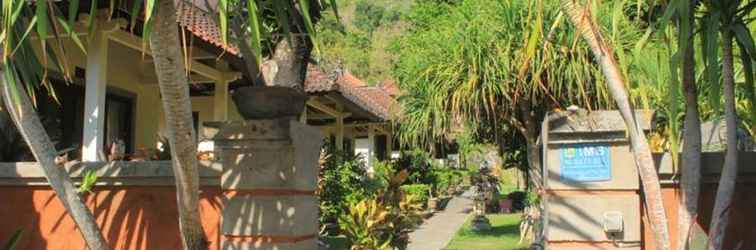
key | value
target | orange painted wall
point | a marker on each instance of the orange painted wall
(131, 217)
(742, 218)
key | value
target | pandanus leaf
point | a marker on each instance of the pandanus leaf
(223, 19)
(254, 25)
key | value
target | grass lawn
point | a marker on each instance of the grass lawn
(504, 235)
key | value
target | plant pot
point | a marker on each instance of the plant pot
(505, 206)
(451, 190)
(268, 102)
(433, 204)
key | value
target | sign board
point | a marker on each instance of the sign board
(585, 163)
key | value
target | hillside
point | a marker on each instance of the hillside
(360, 40)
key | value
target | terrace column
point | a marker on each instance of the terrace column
(94, 97)
(370, 148)
(389, 144)
(340, 132)
(269, 176)
(220, 100)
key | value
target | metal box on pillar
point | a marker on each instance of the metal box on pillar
(592, 187)
(269, 177)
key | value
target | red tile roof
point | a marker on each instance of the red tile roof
(202, 24)
(390, 87)
(375, 100)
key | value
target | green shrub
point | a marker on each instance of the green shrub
(419, 191)
(385, 220)
(342, 181)
(523, 199)
(366, 225)
(418, 164)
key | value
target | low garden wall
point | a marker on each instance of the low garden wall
(133, 202)
(257, 193)
(741, 229)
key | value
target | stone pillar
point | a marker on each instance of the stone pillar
(340, 132)
(220, 100)
(389, 145)
(370, 149)
(94, 97)
(269, 176)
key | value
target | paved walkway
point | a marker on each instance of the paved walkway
(436, 232)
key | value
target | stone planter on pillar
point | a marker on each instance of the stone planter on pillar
(269, 178)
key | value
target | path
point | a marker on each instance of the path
(436, 232)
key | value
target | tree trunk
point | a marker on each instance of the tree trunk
(581, 18)
(174, 89)
(288, 65)
(28, 124)
(691, 151)
(530, 133)
(720, 215)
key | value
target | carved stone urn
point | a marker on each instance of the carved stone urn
(269, 102)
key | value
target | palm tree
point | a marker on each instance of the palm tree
(22, 71)
(726, 187)
(172, 80)
(498, 69)
(581, 18)
(289, 58)
(690, 168)
(28, 124)
(727, 17)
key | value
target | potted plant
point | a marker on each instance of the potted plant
(275, 51)
(432, 201)
(451, 190)
(433, 204)
(266, 102)
(505, 205)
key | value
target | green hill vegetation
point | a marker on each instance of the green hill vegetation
(360, 39)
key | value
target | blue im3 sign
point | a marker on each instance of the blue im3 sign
(585, 163)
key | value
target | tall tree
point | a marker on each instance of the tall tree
(28, 123)
(690, 167)
(729, 19)
(726, 187)
(286, 68)
(22, 71)
(499, 68)
(581, 18)
(174, 89)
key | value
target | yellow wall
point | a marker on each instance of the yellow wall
(203, 105)
(130, 71)
(233, 113)
(125, 67)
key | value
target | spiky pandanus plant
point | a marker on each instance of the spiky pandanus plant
(22, 72)
(501, 68)
(727, 20)
(581, 18)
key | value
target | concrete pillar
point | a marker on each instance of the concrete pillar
(371, 148)
(389, 145)
(269, 176)
(94, 97)
(220, 100)
(340, 132)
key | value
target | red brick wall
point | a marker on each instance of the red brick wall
(131, 217)
(742, 218)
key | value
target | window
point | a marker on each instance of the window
(119, 121)
(68, 115)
